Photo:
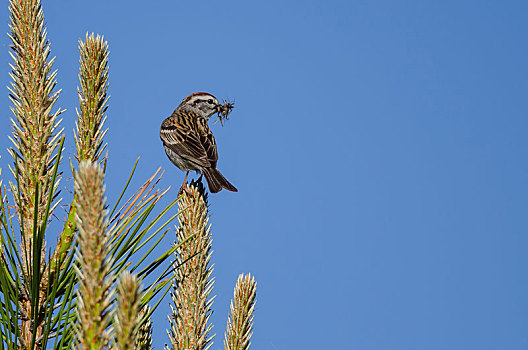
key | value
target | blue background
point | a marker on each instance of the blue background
(379, 148)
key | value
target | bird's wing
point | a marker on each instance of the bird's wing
(208, 141)
(180, 133)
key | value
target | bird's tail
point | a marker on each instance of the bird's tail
(216, 181)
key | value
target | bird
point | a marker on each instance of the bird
(188, 141)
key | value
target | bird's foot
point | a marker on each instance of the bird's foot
(184, 186)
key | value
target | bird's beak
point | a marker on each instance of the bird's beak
(219, 108)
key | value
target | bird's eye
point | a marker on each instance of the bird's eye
(210, 101)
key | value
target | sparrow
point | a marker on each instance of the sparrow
(188, 141)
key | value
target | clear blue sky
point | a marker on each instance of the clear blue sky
(379, 148)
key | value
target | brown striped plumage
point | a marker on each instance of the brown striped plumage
(190, 144)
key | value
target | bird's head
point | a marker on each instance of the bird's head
(201, 103)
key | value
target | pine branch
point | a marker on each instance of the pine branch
(93, 98)
(240, 321)
(128, 316)
(36, 142)
(35, 137)
(89, 137)
(193, 281)
(144, 339)
(94, 271)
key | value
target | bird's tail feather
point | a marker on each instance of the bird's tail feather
(216, 181)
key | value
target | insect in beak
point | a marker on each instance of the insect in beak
(224, 110)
